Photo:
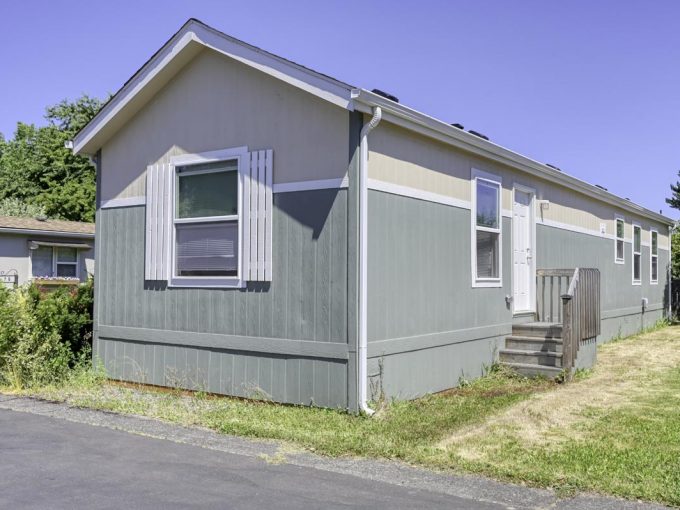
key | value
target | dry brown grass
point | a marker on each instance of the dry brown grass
(625, 370)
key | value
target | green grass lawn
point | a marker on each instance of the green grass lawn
(615, 430)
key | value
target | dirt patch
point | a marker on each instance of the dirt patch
(625, 370)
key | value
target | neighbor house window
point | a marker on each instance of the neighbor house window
(654, 257)
(486, 231)
(51, 261)
(206, 219)
(620, 231)
(637, 256)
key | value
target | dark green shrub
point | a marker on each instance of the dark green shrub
(43, 335)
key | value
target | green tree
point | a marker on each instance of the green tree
(674, 202)
(36, 167)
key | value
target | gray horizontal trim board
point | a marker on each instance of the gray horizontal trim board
(420, 342)
(634, 310)
(286, 187)
(302, 348)
(123, 202)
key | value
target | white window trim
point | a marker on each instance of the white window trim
(617, 260)
(633, 253)
(240, 154)
(476, 174)
(55, 247)
(653, 231)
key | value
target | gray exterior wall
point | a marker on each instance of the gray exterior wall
(15, 254)
(621, 301)
(429, 328)
(292, 340)
(285, 340)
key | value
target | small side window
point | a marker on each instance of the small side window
(42, 262)
(637, 254)
(654, 257)
(619, 256)
(486, 231)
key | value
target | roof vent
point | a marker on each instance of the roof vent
(601, 187)
(478, 134)
(554, 167)
(386, 95)
(627, 199)
(459, 126)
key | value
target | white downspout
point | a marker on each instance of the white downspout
(363, 261)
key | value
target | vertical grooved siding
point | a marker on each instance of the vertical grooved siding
(307, 300)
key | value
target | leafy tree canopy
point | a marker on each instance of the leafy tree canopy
(36, 168)
(674, 202)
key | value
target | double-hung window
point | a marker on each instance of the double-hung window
(54, 261)
(486, 230)
(206, 220)
(619, 256)
(654, 257)
(209, 219)
(637, 255)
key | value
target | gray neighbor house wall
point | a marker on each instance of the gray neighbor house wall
(15, 254)
(294, 339)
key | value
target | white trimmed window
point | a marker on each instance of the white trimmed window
(54, 261)
(637, 254)
(209, 219)
(206, 220)
(619, 251)
(486, 230)
(654, 257)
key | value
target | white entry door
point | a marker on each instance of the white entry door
(523, 280)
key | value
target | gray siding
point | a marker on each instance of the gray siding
(621, 300)
(427, 326)
(286, 340)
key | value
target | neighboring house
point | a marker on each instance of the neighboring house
(265, 230)
(51, 251)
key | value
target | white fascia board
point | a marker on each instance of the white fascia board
(414, 120)
(193, 31)
(294, 74)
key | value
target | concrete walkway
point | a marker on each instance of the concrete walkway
(55, 456)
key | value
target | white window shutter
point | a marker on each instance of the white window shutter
(157, 248)
(258, 217)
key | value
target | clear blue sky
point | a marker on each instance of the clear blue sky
(590, 86)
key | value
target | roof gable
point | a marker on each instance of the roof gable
(181, 48)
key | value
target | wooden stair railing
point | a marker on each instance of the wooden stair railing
(579, 310)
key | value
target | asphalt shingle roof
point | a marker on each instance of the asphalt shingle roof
(76, 227)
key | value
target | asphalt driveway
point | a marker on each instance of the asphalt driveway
(53, 456)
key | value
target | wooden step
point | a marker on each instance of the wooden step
(538, 329)
(524, 357)
(534, 370)
(532, 343)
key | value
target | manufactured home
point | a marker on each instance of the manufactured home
(48, 252)
(264, 230)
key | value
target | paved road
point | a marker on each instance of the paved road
(51, 463)
(55, 456)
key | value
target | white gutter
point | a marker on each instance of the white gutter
(363, 261)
